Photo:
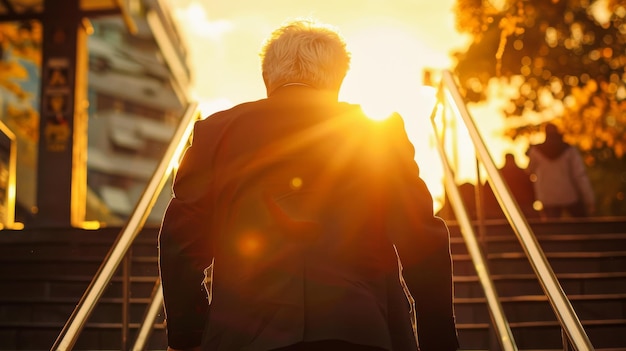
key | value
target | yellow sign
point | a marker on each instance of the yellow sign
(57, 75)
(57, 78)
(57, 136)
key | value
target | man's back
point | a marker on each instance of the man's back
(299, 238)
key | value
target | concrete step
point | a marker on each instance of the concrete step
(604, 335)
(45, 273)
(536, 308)
(94, 336)
(527, 284)
(548, 243)
(589, 260)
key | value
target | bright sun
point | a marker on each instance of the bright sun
(386, 71)
(385, 77)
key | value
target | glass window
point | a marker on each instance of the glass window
(131, 101)
(20, 80)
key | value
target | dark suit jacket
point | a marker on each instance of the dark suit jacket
(298, 200)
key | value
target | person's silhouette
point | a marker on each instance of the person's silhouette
(560, 178)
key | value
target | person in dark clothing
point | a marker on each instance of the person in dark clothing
(560, 179)
(520, 185)
(311, 215)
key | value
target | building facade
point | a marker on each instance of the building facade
(91, 117)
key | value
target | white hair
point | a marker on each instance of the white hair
(305, 51)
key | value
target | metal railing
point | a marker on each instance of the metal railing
(8, 163)
(155, 306)
(450, 100)
(74, 325)
(503, 330)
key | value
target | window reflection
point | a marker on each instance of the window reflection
(133, 111)
(20, 79)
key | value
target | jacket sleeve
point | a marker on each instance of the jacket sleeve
(422, 243)
(185, 248)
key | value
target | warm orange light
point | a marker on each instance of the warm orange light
(390, 47)
(296, 183)
(91, 225)
(250, 244)
(387, 68)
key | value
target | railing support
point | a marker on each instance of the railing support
(156, 306)
(126, 298)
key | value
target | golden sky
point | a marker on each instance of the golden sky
(391, 42)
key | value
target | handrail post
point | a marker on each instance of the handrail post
(145, 329)
(126, 298)
(479, 200)
(567, 346)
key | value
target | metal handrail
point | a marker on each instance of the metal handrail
(72, 328)
(560, 304)
(503, 329)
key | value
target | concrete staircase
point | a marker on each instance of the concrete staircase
(44, 273)
(589, 259)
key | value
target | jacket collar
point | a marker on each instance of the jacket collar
(296, 88)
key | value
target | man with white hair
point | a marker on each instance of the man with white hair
(304, 207)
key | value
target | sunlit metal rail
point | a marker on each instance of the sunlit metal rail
(450, 101)
(74, 325)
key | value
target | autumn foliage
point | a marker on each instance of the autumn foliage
(567, 58)
(566, 61)
(20, 48)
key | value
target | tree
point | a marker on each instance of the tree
(566, 59)
(20, 64)
(20, 76)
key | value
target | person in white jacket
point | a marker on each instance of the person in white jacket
(559, 177)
